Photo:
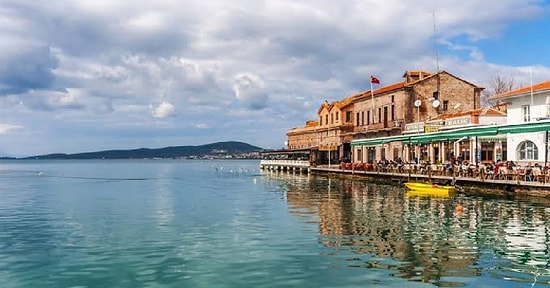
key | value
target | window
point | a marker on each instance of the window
(337, 116)
(435, 95)
(487, 152)
(527, 150)
(357, 119)
(348, 116)
(379, 115)
(362, 117)
(326, 119)
(525, 113)
(445, 105)
(392, 99)
(371, 155)
(331, 118)
(368, 117)
(392, 112)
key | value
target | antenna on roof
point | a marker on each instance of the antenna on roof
(436, 60)
(435, 44)
(531, 80)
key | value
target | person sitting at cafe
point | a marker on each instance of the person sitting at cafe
(529, 172)
(498, 165)
(510, 165)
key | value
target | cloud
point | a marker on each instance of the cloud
(249, 90)
(240, 70)
(26, 68)
(6, 128)
(163, 110)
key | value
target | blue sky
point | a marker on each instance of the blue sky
(79, 76)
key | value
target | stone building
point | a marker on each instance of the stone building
(407, 106)
(385, 111)
(328, 138)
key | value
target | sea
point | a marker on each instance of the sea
(226, 223)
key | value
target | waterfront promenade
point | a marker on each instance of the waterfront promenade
(512, 183)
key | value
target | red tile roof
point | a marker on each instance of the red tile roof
(476, 112)
(524, 90)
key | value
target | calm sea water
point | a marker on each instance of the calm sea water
(227, 224)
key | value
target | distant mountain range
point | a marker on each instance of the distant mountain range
(229, 149)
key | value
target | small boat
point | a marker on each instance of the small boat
(429, 193)
(430, 189)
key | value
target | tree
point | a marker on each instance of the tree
(498, 85)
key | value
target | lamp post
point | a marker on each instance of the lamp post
(417, 104)
(328, 131)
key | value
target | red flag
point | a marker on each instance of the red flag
(374, 80)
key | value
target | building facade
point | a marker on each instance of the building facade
(381, 112)
(527, 104)
(406, 107)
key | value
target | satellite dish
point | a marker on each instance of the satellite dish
(436, 103)
(417, 103)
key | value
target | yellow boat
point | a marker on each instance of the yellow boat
(428, 193)
(420, 189)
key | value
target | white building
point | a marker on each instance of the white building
(528, 104)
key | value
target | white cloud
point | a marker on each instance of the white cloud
(249, 89)
(163, 110)
(6, 128)
(228, 64)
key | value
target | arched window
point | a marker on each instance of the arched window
(527, 150)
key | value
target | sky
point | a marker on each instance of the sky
(82, 75)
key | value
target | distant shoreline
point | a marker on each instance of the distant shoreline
(219, 150)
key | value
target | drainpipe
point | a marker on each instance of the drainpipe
(546, 149)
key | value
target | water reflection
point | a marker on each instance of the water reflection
(447, 241)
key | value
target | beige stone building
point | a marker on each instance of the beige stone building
(407, 107)
(328, 138)
(388, 110)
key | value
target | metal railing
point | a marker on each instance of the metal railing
(287, 163)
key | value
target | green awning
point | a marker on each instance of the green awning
(477, 131)
(525, 127)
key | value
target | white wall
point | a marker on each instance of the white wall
(492, 120)
(514, 140)
(538, 110)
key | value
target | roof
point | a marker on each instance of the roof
(439, 73)
(382, 90)
(488, 111)
(417, 73)
(311, 123)
(325, 104)
(385, 89)
(524, 90)
(404, 84)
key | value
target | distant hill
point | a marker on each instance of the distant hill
(213, 150)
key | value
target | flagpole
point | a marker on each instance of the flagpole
(531, 79)
(372, 99)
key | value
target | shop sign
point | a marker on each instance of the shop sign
(325, 147)
(431, 128)
(458, 121)
(419, 126)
